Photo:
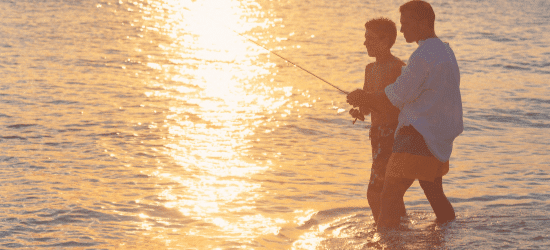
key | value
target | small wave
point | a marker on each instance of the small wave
(542, 65)
(75, 83)
(487, 198)
(304, 131)
(69, 130)
(470, 128)
(516, 116)
(62, 102)
(112, 51)
(13, 137)
(516, 67)
(21, 125)
(494, 37)
(73, 244)
(117, 134)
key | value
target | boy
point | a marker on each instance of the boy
(379, 38)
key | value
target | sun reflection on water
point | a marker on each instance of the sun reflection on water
(214, 82)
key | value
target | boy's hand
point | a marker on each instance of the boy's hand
(355, 113)
(357, 98)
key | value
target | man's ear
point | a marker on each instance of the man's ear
(424, 24)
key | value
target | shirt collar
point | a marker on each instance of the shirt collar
(423, 41)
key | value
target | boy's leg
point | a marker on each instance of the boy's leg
(381, 142)
(391, 202)
(374, 191)
(440, 204)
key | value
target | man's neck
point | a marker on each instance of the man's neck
(426, 36)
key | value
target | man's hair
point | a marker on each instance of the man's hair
(384, 28)
(419, 10)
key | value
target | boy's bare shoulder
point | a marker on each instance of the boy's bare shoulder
(369, 66)
(398, 62)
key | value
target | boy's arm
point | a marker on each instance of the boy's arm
(356, 97)
(367, 82)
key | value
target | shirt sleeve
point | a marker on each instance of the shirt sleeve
(408, 85)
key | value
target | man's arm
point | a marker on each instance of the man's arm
(376, 101)
(407, 86)
(379, 101)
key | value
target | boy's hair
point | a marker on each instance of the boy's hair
(384, 28)
(419, 10)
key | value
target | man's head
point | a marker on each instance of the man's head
(417, 20)
(379, 36)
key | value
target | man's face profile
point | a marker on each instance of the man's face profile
(409, 27)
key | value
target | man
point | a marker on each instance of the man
(380, 36)
(428, 96)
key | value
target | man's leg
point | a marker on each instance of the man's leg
(374, 194)
(440, 204)
(403, 187)
(391, 202)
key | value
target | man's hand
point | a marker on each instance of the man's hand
(357, 98)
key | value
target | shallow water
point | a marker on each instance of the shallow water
(155, 125)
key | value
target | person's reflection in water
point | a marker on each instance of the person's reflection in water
(428, 96)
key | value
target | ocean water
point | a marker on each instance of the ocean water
(156, 124)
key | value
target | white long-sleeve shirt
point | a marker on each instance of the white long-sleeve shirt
(428, 96)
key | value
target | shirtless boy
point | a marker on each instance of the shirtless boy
(379, 38)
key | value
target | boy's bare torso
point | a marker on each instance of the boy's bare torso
(378, 75)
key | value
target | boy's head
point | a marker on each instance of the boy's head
(417, 18)
(380, 35)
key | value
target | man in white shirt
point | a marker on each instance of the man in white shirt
(428, 96)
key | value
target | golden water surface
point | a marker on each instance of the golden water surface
(156, 124)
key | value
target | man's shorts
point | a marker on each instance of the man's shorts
(382, 138)
(412, 159)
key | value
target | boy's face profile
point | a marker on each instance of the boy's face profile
(373, 43)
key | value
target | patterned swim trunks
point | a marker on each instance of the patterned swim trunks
(412, 159)
(382, 138)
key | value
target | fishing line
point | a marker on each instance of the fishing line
(296, 65)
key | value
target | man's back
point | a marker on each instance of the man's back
(428, 95)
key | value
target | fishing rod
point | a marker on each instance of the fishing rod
(300, 67)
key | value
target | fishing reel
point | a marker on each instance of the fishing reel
(356, 113)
